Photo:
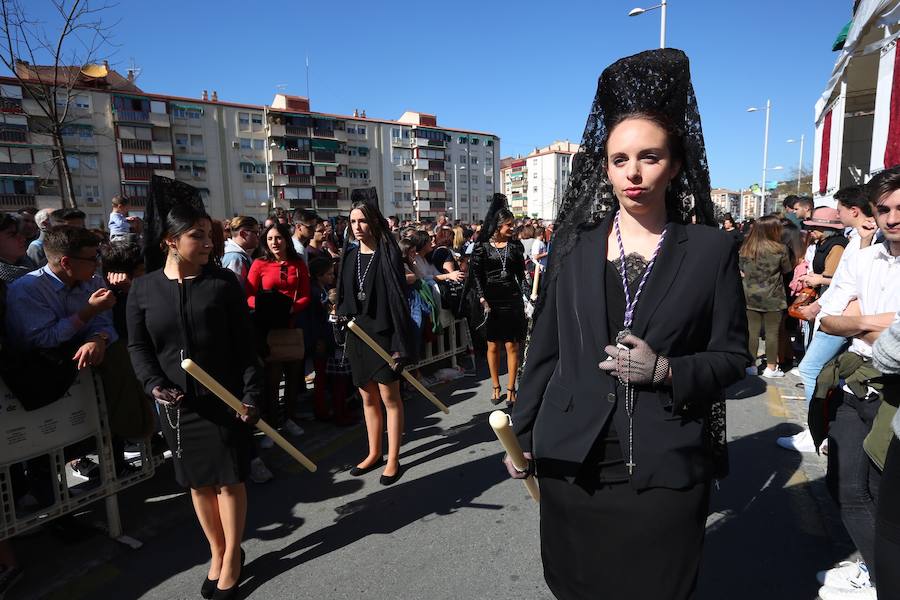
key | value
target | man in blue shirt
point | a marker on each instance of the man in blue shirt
(64, 301)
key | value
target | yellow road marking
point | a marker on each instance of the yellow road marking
(774, 402)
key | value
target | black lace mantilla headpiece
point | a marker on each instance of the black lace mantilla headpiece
(656, 82)
(490, 224)
(164, 193)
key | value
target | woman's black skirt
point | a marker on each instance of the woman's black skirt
(614, 543)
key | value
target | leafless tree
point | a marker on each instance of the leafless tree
(47, 59)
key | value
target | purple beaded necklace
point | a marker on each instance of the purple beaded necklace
(630, 306)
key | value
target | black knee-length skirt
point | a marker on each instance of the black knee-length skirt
(614, 543)
(215, 444)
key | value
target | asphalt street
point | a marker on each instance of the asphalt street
(454, 526)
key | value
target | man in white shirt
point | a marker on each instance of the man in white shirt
(304, 229)
(870, 280)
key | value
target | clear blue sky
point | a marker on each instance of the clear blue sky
(526, 71)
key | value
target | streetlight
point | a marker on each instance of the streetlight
(765, 150)
(662, 28)
(800, 168)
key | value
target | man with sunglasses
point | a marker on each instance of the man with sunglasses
(304, 229)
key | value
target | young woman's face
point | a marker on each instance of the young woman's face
(360, 225)
(276, 243)
(12, 244)
(195, 245)
(505, 230)
(639, 164)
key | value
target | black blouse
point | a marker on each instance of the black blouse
(205, 318)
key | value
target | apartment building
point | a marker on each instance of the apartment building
(243, 158)
(536, 183)
(727, 201)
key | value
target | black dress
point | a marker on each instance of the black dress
(206, 319)
(502, 288)
(365, 364)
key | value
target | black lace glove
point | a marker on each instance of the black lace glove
(168, 396)
(637, 364)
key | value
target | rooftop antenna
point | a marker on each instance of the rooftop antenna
(307, 76)
(134, 71)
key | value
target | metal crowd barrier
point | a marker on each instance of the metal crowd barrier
(27, 435)
(452, 341)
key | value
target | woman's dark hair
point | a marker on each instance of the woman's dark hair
(854, 196)
(372, 218)
(443, 237)
(417, 237)
(504, 215)
(674, 136)
(319, 266)
(180, 219)
(8, 220)
(285, 231)
(218, 240)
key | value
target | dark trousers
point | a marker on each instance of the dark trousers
(887, 526)
(770, 322)
(852, 477)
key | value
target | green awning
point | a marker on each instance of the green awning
(186, 106)
(325, 145)
(842, 37)
(142, 98)
(326, 188)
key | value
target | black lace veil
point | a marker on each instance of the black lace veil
(657, 82)
(491, 222)
(163, 195)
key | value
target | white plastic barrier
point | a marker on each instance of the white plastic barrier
(24, 435)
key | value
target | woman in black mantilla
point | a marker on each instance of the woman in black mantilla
(372, 290)
(640, 327)
(496, 273)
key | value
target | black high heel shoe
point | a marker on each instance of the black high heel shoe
(511, 398)
(496, 397)
(230, 593)
(357, 471)
(208, 589)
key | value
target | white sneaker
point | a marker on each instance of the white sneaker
(752, 371)
(801, 442)
(772, 373)
(293, 429)
(848, 575)
(259, 472)
(266, 442)
(833, 593)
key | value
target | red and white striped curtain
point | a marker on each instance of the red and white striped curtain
(892, 148)
(825, 155)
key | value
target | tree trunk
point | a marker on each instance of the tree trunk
(64, 174)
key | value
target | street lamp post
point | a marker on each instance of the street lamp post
(800, 167)
(765, 150)
(662, 26)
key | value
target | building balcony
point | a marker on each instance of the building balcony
(135, 116)
(42, 139)
(437, 165)
(278, 155)
(15, 168)
(14, 135)
(162, 147)
(282, 179)
(331, 134)
(17, 201)
(400, 142)
(326, 180)
(344, 159)
(296, 131)
(327, 204)
(343, 181)
(135, 145)
(322, 156)
(11, 105)
(165, 173)
(276, 130)
(48, 200)
(301, 203)
(132, 173)
(298, 154)
(160, 119)
(429, 143)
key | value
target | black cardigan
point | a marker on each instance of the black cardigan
(692, 310)
(208, 318)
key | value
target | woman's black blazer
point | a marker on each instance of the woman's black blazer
(691, 310)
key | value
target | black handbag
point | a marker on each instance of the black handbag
(451, 296)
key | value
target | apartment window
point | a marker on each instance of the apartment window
(91, 191)
(475, 141)
(244, 121)
(398, 196)
(259, 144)
(197, 143)
(395, 133)
(398, 176)
(475, 199)
(461, 139)
(475, 179)
(73, 162)
(464, 179)
(256, 119)
(157, 107)
(489, 143)
(488, 180)
(463, 198)
(351, 129)
(363, 150)
(246, 143)
(248, 168)
(89, 162)
(82, 101)
(489, 162)
(473, 160)
(462, 158)
(361, 129)
(181, 139)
